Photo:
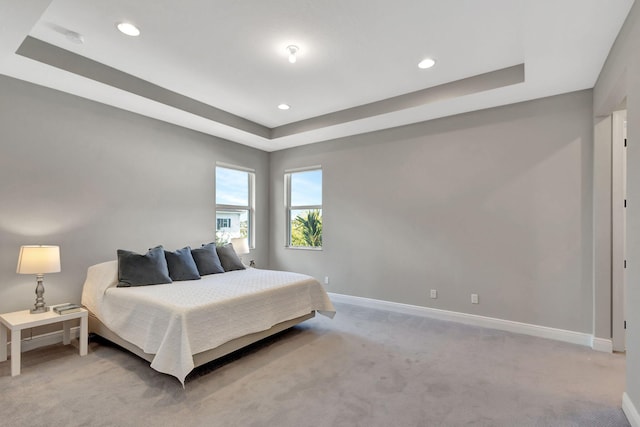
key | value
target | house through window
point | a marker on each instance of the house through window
(234, 203)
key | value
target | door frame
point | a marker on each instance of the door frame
(618, 229)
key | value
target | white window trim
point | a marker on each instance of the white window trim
(288, 207)
(252, 200)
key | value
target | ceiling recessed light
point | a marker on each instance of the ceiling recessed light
(284, 106)
(128, 29)
(427, 63)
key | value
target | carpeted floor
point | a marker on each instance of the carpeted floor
(363, 368)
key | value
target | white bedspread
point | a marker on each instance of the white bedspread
(175, 321)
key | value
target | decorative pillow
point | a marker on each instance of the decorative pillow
(207, 260)
(181, 265)
(141, 270)
(228, 258)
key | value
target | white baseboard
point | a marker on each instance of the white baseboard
(44, 340)
(630, 410)
(599, 344)
(602, 344)
(473, 319)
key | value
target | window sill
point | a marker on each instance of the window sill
(304, 248)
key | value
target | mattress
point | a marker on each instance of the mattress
(177, 320)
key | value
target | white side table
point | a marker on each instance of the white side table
(19, 320)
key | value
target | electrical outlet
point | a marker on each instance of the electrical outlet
(326, 280)
(434, 293)
(474, 299)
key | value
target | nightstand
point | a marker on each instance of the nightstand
(19, 320)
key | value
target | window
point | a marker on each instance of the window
(223, 223)
(304, 208)
(234, 203)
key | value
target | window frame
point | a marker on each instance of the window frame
(251, 214)
(289, 207)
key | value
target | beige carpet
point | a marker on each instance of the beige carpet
(364, 368)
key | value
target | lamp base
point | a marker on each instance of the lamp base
(39, 306)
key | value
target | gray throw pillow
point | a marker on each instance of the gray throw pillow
(228, 258)
(207, 260)
(142, 270)
(181, 265)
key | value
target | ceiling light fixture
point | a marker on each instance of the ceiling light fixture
(128, 29)
(427, 63)
(284, 106)
(293, 51)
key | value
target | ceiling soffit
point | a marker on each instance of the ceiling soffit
(54, 56)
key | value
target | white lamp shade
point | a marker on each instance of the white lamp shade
(240, 245)
(39, 260)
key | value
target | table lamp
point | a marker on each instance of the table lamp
(39, 260)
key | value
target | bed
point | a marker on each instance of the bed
(181, 325)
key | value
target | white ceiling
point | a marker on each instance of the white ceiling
(353, 54)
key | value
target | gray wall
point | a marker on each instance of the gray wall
(496, 202)
(620, 79)
(602, 228)
(92, 178)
